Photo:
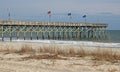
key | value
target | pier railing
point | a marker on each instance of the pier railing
(51, 23)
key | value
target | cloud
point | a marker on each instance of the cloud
(106, 13)
(76, 6)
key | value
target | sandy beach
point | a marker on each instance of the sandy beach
(44, 57)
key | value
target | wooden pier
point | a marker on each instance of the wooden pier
(51, 30)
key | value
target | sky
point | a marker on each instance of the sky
(102, 11)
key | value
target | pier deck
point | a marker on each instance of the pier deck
(52, 23)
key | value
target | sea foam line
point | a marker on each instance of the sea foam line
(80, 43)
(63, 42)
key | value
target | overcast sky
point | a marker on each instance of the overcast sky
(107, 11)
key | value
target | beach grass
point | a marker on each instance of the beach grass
(54, 51)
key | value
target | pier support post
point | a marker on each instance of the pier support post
(94, 33)
(73, 33)
(37, 35)
(43, 35)
(103, 34)
(24, 35)
(79, 33)
(30, 35)
(84, 30)
(106, 33)
(43, 32)
(49, 33)
(2, 36)
(69, 33)
(10, 36)
(63, 35)
(60, 35)
(2, 33)
(99, 33)
(10, 33)
(76, 33)
(31, 30)
(24, 32)
(53, 35)
(89, 30)
(37, 32)
(17, 32)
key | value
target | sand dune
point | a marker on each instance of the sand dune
(72, 64)
(39, 57)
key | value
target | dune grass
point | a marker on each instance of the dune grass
(106, 54)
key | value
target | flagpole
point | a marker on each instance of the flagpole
(50, 18)
(84, 16)
(8, 14)
(85, 20)
(70, 18)
(49, 13)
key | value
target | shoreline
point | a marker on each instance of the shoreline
(63, 42)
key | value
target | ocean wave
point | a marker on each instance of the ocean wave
(80, 43)
(63, 42)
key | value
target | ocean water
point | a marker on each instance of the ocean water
(112, 40)
(113, 36)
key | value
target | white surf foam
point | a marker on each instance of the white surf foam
(80, 43)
